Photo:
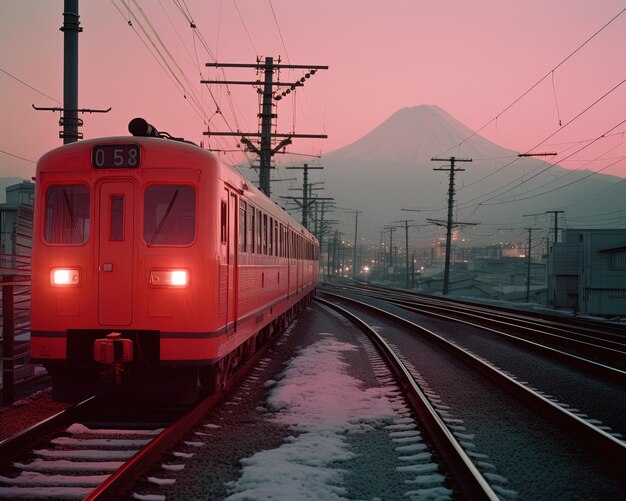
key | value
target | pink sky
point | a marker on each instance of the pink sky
(472, 58)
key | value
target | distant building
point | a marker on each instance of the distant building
(16, 222)
(587, 272)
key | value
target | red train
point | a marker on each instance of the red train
(158, 266)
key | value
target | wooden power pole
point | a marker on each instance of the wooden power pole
(452, 170)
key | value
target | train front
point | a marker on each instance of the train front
(122, 276)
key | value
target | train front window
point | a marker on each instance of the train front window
(169, 214)
(67, 216)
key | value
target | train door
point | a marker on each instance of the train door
(116, 253)
(230, 212)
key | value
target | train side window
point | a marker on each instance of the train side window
(67, 214)
(270, 239)
(223, 222)
(276, 238)
(169, 214)
(242, 226)
(251, 226)
(117, 218)
(264, 236)
(259, 225)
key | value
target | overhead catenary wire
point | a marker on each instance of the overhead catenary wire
(245, 27)
(280, 33)
(465, 203)
(17, 156)
(158, 56)
(157, 47)
(532, 87)
(519, 199)
(570, 172)
(561, 128)
(30, 86)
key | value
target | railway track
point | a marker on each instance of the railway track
(594, 350)
(98, 448)
(93, 450)
(504, 439)
(549, 421)
(609, 329)
(472, 484)
(397, 445)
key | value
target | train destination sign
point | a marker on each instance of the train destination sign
(116, 156)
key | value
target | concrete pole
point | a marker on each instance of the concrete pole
(71, 28)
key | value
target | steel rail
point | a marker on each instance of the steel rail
(472, 482)
(592, 341)
(13, 445)
(606, 371)
(123, 479)
(549, 319)
(581, 429)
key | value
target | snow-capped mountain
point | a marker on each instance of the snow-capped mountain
(390, 168)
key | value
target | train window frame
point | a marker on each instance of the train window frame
(162, 205)
(270, 237)
(251, 234)
(264, 235)
(259, 225)
(80, 225)
(243, 218)
(223, 222)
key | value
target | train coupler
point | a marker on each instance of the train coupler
(113, 351)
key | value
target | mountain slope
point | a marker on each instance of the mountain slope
(390, 168)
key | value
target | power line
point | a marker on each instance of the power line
(162, 54)
(523, 181)
(245, 28)
(279, 32)
(17, 156)
(30, 86)
(537, 83)
(568, 173)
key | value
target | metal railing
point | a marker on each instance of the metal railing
(15, 282)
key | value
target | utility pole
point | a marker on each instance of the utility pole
(305, 190)
(391, 230)
(381, 255)
(326, 205)
(265, 149)
(452, 170)
(356, 227)
(530, 240)
(71, 28)
(556, 222)
(69, 112)
(316, 206)
(406, 249)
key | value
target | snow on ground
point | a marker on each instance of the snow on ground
(323, 404)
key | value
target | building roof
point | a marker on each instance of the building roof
(614, 249)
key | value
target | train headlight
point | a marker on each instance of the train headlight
(169, 278)
(65, 276)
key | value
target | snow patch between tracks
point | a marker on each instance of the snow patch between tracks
(324, 404)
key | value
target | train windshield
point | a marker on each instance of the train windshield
(67, 214)
(169, 216)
